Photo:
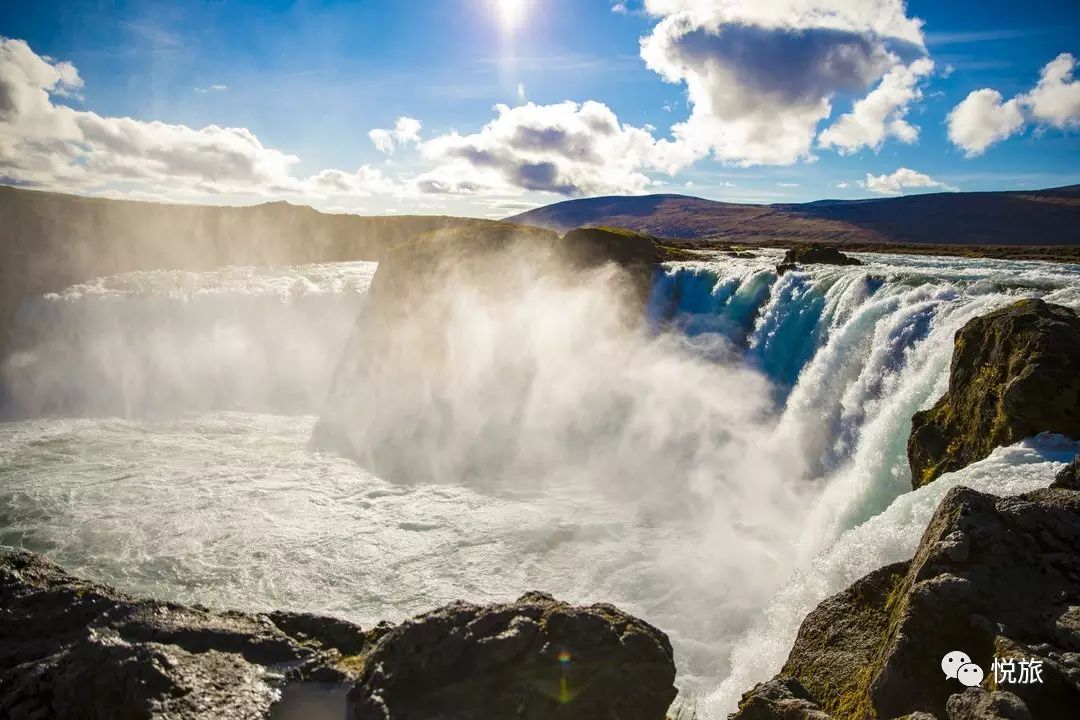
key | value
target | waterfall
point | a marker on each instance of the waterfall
(164, 342)
(717, 469)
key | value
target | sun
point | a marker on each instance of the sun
(511, 13)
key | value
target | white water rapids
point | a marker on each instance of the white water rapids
(159, 422)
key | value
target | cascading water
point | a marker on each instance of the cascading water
(165, 342)
(718, 472)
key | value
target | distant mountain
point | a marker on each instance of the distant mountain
(1038, 217)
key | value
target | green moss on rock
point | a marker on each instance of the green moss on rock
(1015, 373)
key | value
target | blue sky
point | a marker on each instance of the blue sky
(240, 102)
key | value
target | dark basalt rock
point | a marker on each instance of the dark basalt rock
(992, 577)
(588, 247)
(77, 650)
(814, 254)
(1015, 373)
(637, 254)
(1069, 476)
(536, 658)
(781, 697)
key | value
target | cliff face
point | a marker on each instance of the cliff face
(993, 577)
(1014, 373)
(49, 241)
(420, 360)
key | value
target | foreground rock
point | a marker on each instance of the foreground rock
(75, 650)
(1015, 373)
(1069, 477)
(814, 254)
(992, 577)
(532, 659)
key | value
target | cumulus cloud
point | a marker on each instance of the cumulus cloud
(761, 76)
(406, 130)
(1055, 100)
(984, 117)
(897, 182)
(45, 143)
(566, 148)
(882, 113)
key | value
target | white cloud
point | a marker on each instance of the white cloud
(43, 143)
(619, 8)
(406, 130)
(842, 185)
(984, 118)
(566, 148)
(1055, 100)
(787, 184)
(897, 182)
(211, 88)
(880, 114)
(761, 76)
(521, 92)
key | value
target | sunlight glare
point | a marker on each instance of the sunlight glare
(511, 13)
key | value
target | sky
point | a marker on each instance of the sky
(491, 107)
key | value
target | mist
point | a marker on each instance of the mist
(496, 423)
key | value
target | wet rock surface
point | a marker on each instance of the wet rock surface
(1069, 477)
(75, 649)
(814, 254)
(536, 658)
(993, 577)
(1015, 373)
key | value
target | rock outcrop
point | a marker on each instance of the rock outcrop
(588, 247)
(1069, 477)
(1015, 373)
(409, 270)
(814, 254)
(992, 577)
(75, 650)
(534, 659)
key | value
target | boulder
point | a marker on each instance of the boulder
(1015, 373)
(781, 697)
(814, 254)
(875, 649)
(1069, 476)
(534, 659)
(76, 650)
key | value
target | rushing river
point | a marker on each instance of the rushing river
(159, 423)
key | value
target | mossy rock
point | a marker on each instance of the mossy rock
(587, 247)
(1015, 373)
(992, 577)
